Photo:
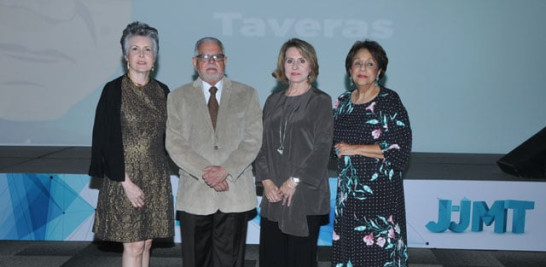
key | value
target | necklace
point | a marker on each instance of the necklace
(282, 128)
(282, 135)
(297, 94)
(355, 97)
(138, 85)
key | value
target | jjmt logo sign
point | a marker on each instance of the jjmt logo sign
(481, 214)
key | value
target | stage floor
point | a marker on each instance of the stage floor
(82, 254)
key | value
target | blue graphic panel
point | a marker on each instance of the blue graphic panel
(42, 206)
(325, 234)
(61, 207)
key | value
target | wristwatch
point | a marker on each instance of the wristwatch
(295, 180)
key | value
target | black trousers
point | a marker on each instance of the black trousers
(215, 240)
(280, 249)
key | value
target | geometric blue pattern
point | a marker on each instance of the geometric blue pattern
(42, 206)
(62, 206)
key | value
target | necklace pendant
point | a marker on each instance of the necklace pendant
(280, 150)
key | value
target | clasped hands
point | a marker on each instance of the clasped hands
(276, 194)
(215, 177)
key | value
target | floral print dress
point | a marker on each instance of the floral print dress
(369, 219)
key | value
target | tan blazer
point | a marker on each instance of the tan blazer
(193, 145)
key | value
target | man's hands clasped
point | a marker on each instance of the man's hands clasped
(215, 177)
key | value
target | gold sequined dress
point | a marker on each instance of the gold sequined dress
(143, 118)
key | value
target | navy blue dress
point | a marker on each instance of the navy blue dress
(370, 220)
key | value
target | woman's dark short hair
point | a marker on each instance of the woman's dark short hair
(306, 50)
(378, 53)
(139, 29)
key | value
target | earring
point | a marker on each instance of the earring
(351, 83)
(128, 66)
(153, 68)
(377, 80)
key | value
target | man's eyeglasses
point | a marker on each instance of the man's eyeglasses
(207, 57)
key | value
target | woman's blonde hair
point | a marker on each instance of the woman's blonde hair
(306, 50)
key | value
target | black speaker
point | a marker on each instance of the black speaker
(528, 159)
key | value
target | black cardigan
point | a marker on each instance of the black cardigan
(107, 144)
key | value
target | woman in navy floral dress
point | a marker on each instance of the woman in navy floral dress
(372, 139)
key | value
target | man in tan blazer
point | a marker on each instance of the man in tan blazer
(213, 135)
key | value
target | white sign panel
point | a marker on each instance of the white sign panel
(476, 214)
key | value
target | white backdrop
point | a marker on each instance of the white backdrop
(470, 73)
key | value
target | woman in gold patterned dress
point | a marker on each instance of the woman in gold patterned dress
(135, 201)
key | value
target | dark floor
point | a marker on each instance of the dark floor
(81, 254)
(75, 160)
(75, 253)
